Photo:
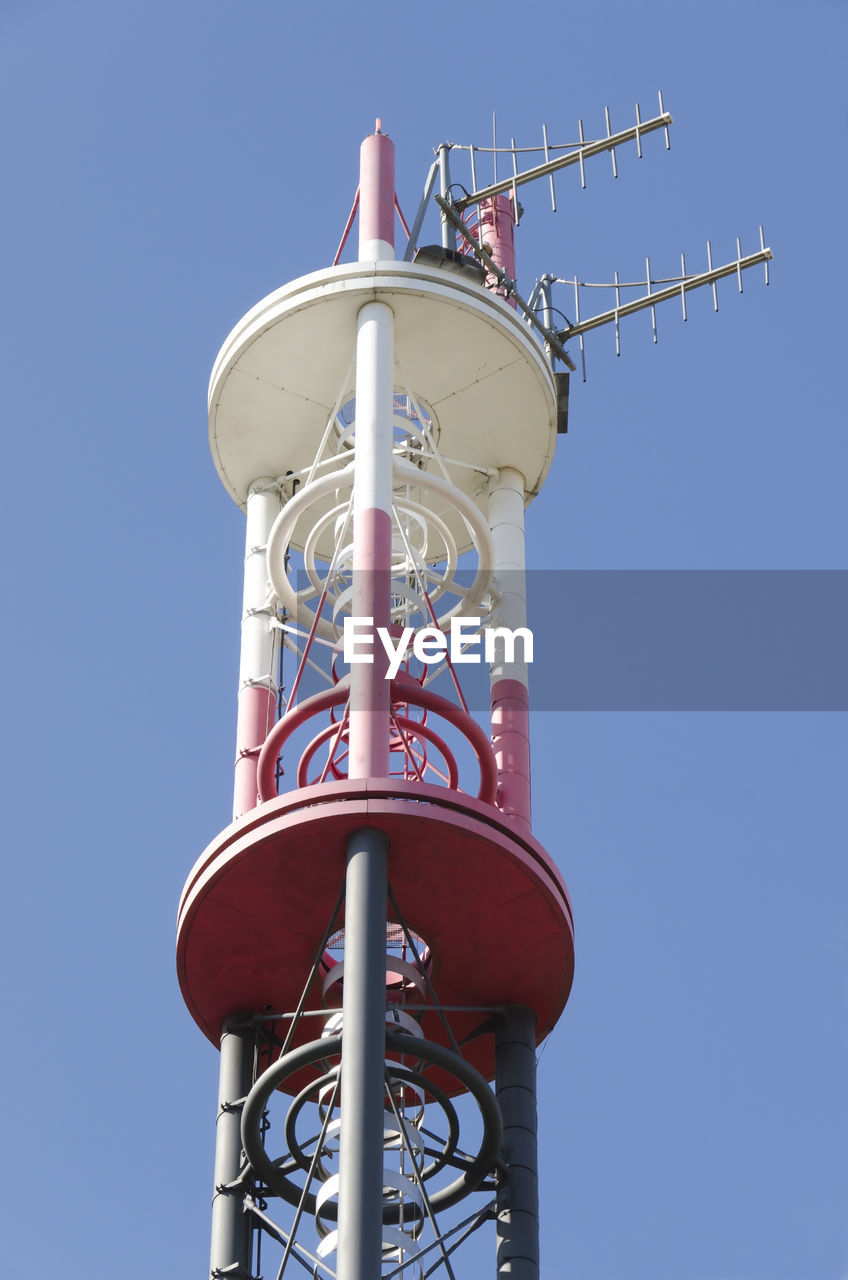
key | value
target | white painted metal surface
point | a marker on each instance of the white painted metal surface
(372, 517)
(257, 689)
(459, 347)
(257, 636)
(372, 485)
(375, 251)
(506, 522)
(425, 496)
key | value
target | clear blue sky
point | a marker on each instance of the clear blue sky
(165, 166)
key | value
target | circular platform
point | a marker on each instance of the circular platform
(489, 904)
(458, 346)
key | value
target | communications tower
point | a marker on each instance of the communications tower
(377, 943)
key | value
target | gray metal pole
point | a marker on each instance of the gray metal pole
(448, 237)
(363, 1058)
(518, 1195)
(230, 1249)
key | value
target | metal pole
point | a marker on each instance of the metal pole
(372, 538)
(518, 1194)
(230, 1250)
(363, 1058)
(547, 308)
(256, 696)
(376, 197)
(448, 238)
(509, 681)
(497, 230)
(364, 993)
(372, 484)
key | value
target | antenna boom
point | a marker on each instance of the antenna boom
(672, 291)
(579, 154)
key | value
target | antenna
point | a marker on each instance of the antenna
(455, 204)
(572, 153)
(674, 286)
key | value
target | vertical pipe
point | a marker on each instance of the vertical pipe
(363, 1058)
(230, 1224)
(448, 234)
(256, 696)
(372, 486)
(518, 1194)
(372, 538)
(376, 197)
(364, 994)
(547, 308)
(497, 230)
(510, 701)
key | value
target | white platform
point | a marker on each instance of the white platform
(459, 347)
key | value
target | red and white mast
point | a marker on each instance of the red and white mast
(365, 418)
(372, 486)
(382, 933)
(360, 1177)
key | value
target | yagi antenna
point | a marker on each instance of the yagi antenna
(462, 240)
(557, 156)
(672, 287)
(573, 153)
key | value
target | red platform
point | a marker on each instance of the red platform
(487, 900)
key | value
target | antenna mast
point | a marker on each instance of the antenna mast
(378, 933)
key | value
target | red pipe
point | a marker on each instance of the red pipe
(399, 691)
(496, 229)
(511, 745)
(377, 190)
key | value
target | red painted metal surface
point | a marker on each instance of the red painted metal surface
(256, 713)
(377, 189)
(407, 735)
(403, 692)
(487, 900)
(346, 231)
(496, 228)
(369, 688)
(511, 744)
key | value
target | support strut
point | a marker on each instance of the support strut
(230, 1251)
(518, 1194)
(363, 1057)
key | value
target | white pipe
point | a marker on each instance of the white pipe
(256, 695)
(372, 534)
(510, 699)
(257, 634)
(372, 488)
(506, 523)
